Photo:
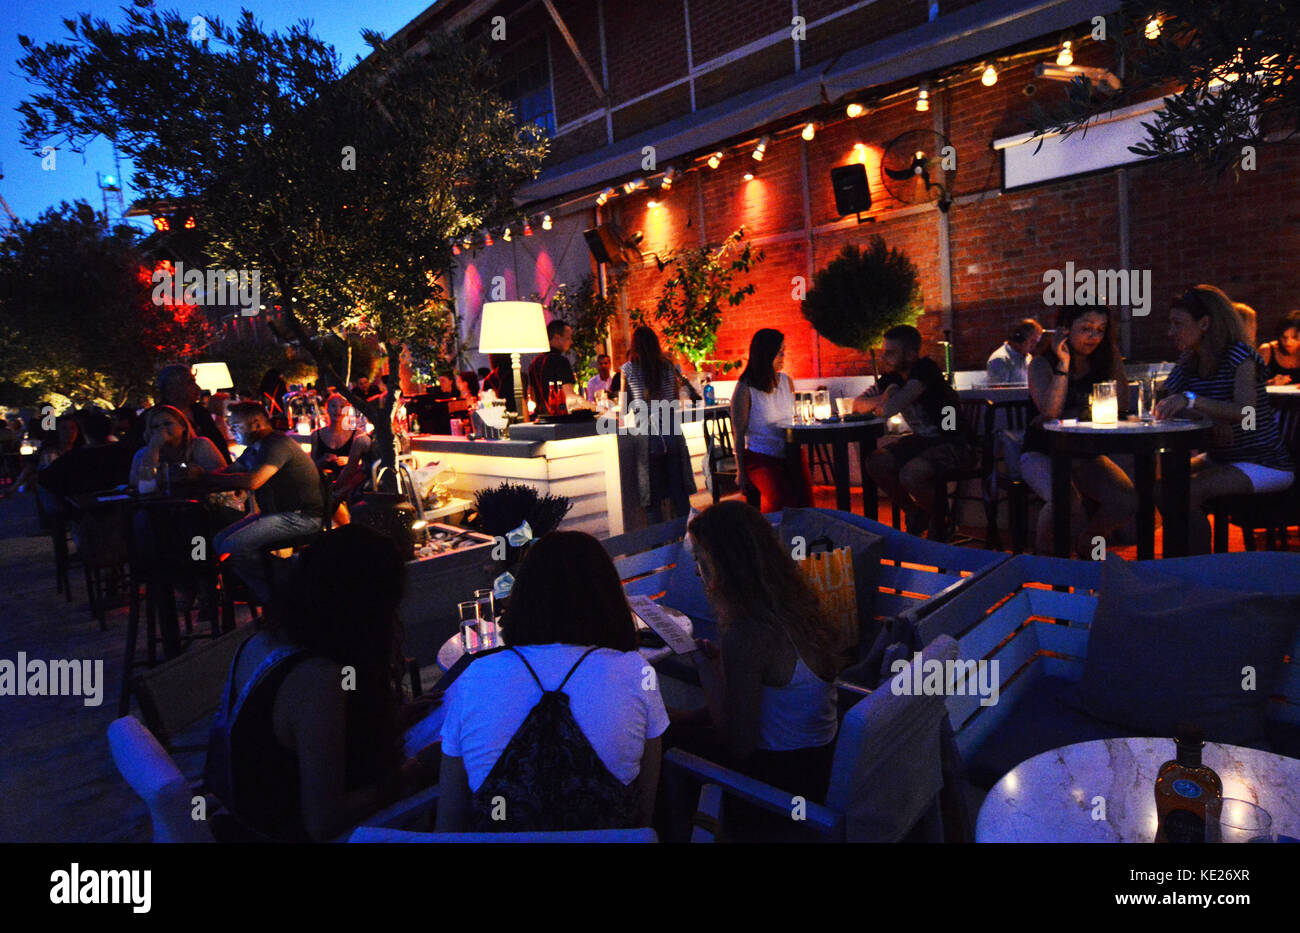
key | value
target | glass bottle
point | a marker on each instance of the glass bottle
(1188, 794)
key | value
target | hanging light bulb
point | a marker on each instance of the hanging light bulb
(855, 110)
(455, 249)
(546, 222)
(1065, 57)
(922, 100)
(1152, 30)
(506, 235)
(716, 159)
(487, 237)
(528, 230)
(467, 244)
(604, 196)
(989, 77)
(761, 149)
(809, 131)
(668, 179)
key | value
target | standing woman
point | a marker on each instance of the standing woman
(1217, 378)
(1081, 354)
(1282, 355)
(764, 398)
(663, 462)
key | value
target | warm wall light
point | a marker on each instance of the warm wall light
(989, 77)
(546, 222)
(854, 111)
(809, 131)
(749, 174)
(761, 149)
(922, 100)
(635, 183)
(653, 205)
(1065, 57)
(604, 196)
(1152, 30)
(715, 160)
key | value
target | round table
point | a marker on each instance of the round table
(1174, 440)
(839, 434)
(1052, 797)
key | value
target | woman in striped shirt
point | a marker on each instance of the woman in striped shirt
(1219, 377)
(662, 461)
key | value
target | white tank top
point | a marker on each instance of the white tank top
(767, 409)
(802, 714)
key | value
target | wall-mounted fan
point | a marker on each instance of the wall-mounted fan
(912, 171)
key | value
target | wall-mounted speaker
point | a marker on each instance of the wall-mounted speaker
(852, 196)
(605, 243)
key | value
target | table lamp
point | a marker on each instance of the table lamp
(513, 327)
(213, 377)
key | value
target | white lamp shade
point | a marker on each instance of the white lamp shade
(513, 327)
(213, 376)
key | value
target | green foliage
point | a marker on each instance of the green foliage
(863, 293)
(589, 314)
(76, 312)
(345, 191)
(1250, 46)
(689, 310)
(503, 508)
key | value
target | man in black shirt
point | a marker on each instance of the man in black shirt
(284, 482)
(939, 445)
(552, 369)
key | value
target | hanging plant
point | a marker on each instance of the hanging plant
(863, 293)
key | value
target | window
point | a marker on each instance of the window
(529, 89)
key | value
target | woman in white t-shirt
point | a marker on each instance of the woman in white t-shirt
(764, 398)
(568, 627)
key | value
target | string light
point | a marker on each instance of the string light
(855, 110)
(467, 243)
(506, 235)
(528, 230)
(989, 77)
(1065, 58)
(455, 249)
(604, 196)
(1152, 30)
(922, 100)
(761, 149)
(809, 131)
(487, 237)
(716, 159)
(546, 222)
(668, 179)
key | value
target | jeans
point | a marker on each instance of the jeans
(245, 541)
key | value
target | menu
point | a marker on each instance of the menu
(669, 624)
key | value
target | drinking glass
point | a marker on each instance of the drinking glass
(845, 406)
(821, 404)
(487, 616)
(1105, 403)
(1243, 821)
(1146, 398)
(469, 630)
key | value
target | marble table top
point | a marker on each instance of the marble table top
(1053, 797)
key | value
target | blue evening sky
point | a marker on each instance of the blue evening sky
(29, 190)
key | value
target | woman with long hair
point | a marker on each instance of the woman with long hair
(663, 462)
(567, 628)
(308, 738)
(1219, 378)
(1081, 354)
(764, 398)
(770, 683)
(1281, 355)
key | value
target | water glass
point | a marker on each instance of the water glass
(469, 626)
(1242, 821)
(821, 404)
(487, 616)
(845, 406)
(1146, 401)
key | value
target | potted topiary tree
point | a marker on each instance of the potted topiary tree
(863, 293)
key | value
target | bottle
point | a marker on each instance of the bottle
(710, 394)
(1188, 794)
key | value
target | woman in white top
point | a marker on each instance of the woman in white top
(763, 399)
(567, 627)
(770, 684)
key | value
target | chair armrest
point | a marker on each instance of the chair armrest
(399, 815)
(708, 815)
(817, 817)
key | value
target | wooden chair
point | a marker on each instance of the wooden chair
(886, 777)
(977, 414)
(720, 454)
(1274, 512)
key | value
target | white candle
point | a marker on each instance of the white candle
(1105, 411)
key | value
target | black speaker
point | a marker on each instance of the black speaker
(604, 244)
(851, 193)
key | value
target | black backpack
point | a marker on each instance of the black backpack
(549, 778)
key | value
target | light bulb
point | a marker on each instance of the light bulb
(854, 111)
(809, 131)
(1065, 57)
(922, 100)
(761, 149)
(1152, 30)
(989, 77)
(546, 222)
(715, 160)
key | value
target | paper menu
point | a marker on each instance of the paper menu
(669, 624)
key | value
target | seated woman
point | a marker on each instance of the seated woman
(171, 444)
(1282, 355)
(1220, 379)
(770, 684)
(588, 762)
(1081, 354)
(308, 738)
(331, 445)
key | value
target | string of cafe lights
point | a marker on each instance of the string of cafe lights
(986, 72)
